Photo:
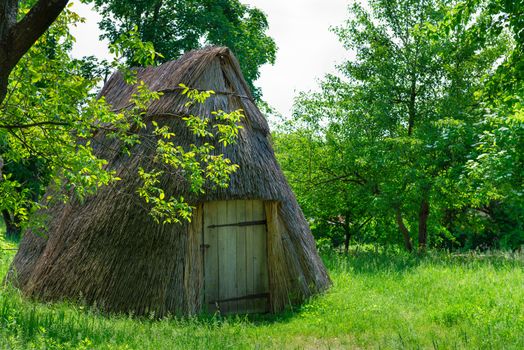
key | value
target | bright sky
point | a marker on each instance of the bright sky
(307, 50)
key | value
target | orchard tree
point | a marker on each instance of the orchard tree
(396, 121)
(336, 204)
(496, 165)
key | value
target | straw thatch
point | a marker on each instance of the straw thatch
(108, 251)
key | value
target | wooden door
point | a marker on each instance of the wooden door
(235, 257)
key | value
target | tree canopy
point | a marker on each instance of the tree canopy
(51, 113)
(178, 26)
(396, 135)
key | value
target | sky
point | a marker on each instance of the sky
(307, 50)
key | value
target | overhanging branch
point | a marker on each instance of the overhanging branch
(31, 125)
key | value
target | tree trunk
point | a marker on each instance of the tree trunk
(347, 238)
(404, 230)
(423, 215)
(12, 229)
(4, 76)
(411, 106)
(356, 231)
(16, 38)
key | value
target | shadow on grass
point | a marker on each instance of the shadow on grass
(383, 261)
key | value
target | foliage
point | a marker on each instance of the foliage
(48, 98)
(178, 26)
(199, 163)
(398, 138)
(13, 197)
(51, 114)
(380, 299)
(496, 167)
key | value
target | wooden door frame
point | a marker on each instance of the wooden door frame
(202, 249)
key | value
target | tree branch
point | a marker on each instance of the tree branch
(26, 32)
(17, 38)
(30, 125)
(8, 12)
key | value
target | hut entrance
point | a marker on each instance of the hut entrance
(235, 257)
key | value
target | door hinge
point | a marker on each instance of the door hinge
(246, 297)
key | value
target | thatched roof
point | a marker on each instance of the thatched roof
(212, 68)
(108, 250)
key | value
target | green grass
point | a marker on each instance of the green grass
(379, 300)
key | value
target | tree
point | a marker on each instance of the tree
(29, 177)
(496, 167)
(396, 125)
(177, 26)
(50, 114)
(29, 130)
(338, 210)
(17, 36)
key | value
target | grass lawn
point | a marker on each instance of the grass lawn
(379, 300)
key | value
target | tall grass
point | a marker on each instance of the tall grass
(379, 300)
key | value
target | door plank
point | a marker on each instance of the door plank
(210, 242)
(250, 286)
(242, 305)
(223, 261)
(259, 253)
(230, 236)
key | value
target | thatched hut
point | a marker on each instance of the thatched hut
(247, 249)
